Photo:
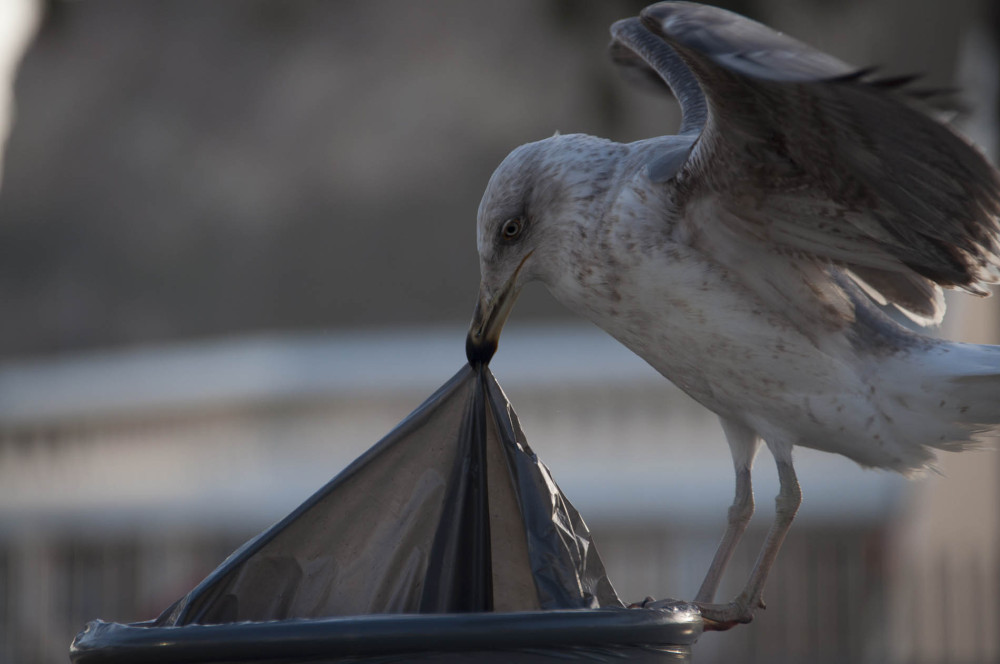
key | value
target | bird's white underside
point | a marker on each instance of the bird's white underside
(740, 328)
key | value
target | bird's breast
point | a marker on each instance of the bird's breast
(700, 327)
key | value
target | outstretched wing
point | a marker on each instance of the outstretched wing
(809, 156)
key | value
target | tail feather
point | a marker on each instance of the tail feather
(949, 396)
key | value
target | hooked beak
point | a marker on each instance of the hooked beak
(488, 319)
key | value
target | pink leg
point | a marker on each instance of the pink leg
(741, 609)
(739, 516)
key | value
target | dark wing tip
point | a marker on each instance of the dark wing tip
(932, 100)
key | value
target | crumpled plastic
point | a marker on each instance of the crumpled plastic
(451, 512)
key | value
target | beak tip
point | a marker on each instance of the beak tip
(479, 351)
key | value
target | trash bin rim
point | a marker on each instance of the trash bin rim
(103, 642)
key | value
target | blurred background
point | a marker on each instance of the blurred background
(237, 246)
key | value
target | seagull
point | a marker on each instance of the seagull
(760, 258)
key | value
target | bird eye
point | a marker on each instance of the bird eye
(512, 228)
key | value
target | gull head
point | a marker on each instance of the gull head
(534, 203)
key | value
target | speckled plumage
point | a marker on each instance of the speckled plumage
(747, 258)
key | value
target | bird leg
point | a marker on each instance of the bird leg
(741, 609)
(739, 516)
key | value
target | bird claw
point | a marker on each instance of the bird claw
(722, 617)
(644, 604)
(715, 617)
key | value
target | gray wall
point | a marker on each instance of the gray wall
(187, 169)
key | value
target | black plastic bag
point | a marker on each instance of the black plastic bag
(408, 528)
(451, 513)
